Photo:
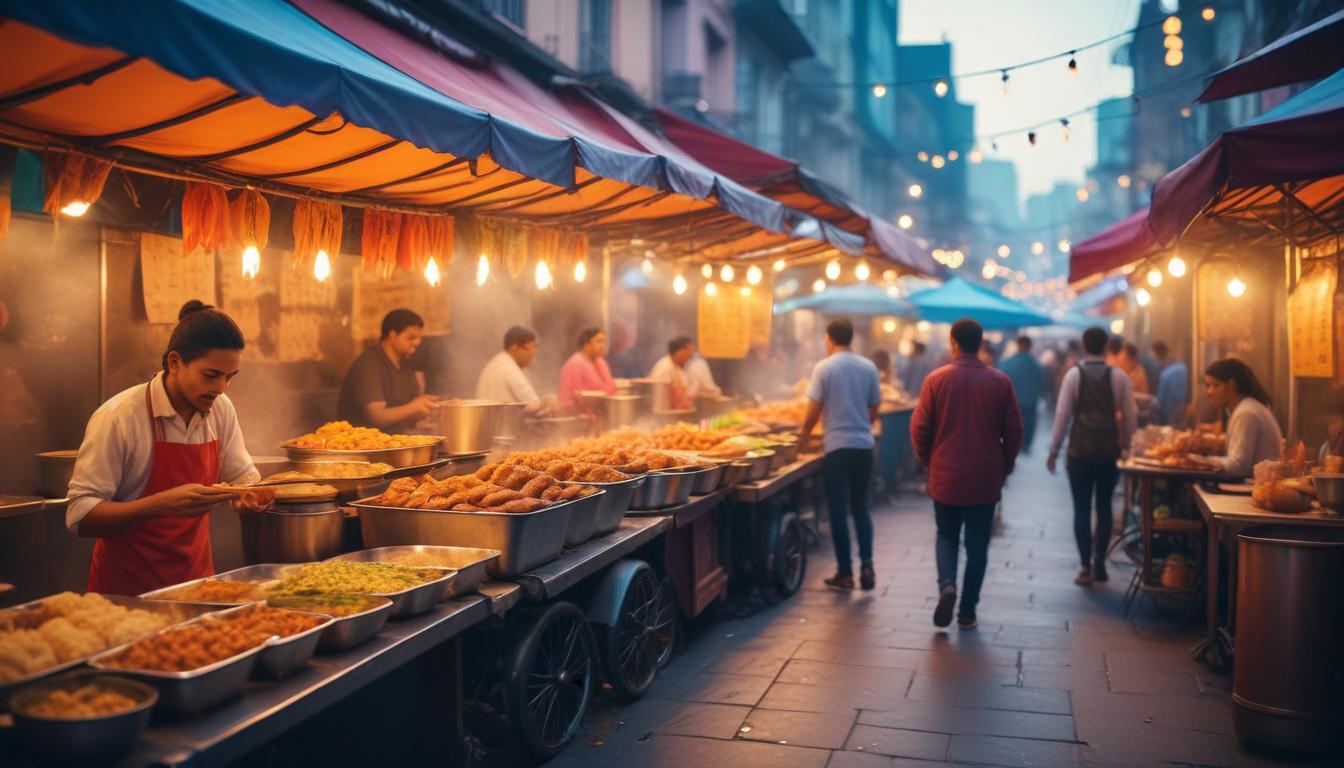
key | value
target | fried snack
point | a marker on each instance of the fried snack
(561, 470)
(23, 652)
(524, 506)
(69, 641)
(353, 578)
(499, 497)
(284, 477)
(537, 485)
(214, 591)
(86, 701)
(273, 621)
(398, 492)
(188, 647)
(343, 436)
(67, 627)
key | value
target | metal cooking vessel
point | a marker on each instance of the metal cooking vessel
(469, 426)
(657, 392)
(292, 533)
(1329, 491)
(510, 421)
(53, 473)
(83, 740)
(616, 411)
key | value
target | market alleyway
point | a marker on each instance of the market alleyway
(1054, 676)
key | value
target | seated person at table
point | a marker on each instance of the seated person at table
(1253, 435)
(381, 389)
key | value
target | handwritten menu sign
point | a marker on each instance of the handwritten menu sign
(1311, 322)
(171, 279)
(375, 296)
(723, 324)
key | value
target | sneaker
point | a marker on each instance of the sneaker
(867, 578)
(966, 622)
(947, 599)
(841, 581)
(1099, 572)
(1085, 577)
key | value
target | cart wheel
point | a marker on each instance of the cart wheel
(637, 644)
(789, 558)
(552, 680)
(669, 613)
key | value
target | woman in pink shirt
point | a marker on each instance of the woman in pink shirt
(586, 370)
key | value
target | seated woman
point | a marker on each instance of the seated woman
(1253, 435)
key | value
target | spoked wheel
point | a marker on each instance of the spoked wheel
(641, 639)
(789, 555)
(669, 614)
(552, 680)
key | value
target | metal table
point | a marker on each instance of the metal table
(549, 580)
(757, 491)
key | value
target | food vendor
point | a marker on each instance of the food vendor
(586, 370)
(381, 389)
(144, 482)
(1253, 435)
(671, 370)
(503, 378)
(1334, 438)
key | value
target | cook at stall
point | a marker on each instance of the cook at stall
(381, 389)
(145, 480)
(1253, 435)
(671, 370)
(586, 370)
(503, 379)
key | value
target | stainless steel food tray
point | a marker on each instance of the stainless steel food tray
(710, 480)
(667, 489)
(29, 615)
(468, 564)
(408, 602)
(761, 461)
(251, 574)
(735, 472)
(616, 501)
(345, 632)
(583, 518)
(193, 692)
(282, 656)
(397, 457)
(523, 540)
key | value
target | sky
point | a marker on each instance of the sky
(989, 34)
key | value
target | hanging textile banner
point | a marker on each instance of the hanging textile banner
(1311, 322)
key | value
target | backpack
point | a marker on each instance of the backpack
(1094, 435)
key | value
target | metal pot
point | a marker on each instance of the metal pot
(1329, 491)
(510, 420)
(657, 393)
(470, 425)
(292, 533)
(53, 473)
(618, 411)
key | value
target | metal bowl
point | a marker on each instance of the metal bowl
(471, 425)
(1329, 491)
(761, 462)
(292, 533)
(709, 480)
(54, 469)
(83, 740)
(397, 457)
(661, 489)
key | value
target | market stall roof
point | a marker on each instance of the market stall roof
(1307, 54)
(788, 182)
(262, 94)
(1126, 241)
(859, 299)
(957, 298)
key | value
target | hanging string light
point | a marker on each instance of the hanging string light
(952, 156)
(726, 273)
(432, 275)
(321, 267)
(977, 156)
(542, 275)
(937, 161)
(482, 270)
(1037, 248)
(862, 272)
(707, 270)
(916, 191)
(754, 275)
(905, 221)
(940, 88)
(1208, 13)
(745, 292)
(1123, 181)
(1236, 288)
(779, 265)
(1155, 277)
(580, 271)
(1064, 246)
(833, 270)
(1082, 194)
(1004, 251)
(679, 284)
(879, 90)
(1073, 63)
(923, 157)
(711, 289)
(1142, 296)
(1176, 266)
(818, 285)
(251, 262)
(646, 266)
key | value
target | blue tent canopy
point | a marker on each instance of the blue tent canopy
(957, 298)
(860, 299)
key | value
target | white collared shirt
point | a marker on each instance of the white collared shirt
(669, 372)
(503, 380)
(699, 379)
(118, 449)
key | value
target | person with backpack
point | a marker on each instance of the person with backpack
(1096, 407)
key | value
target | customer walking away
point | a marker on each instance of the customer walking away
(1028, 378)
(966, 431)
(844, 394)
(1096, 408)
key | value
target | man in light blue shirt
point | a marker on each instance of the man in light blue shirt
(845, 395)
(1173, 387)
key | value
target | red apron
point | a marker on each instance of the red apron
(161, 551)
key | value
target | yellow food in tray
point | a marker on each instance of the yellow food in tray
(67, 627)
(334, 605)
(353, 578)
(343, 436)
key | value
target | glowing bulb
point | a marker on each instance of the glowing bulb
(1118, 325)
(251, 262)
(726, 274)
(543, 275)
(580, 271)
(432, 275)
(889, 275)
(916, 191)
(905, 221)
(1236, 288)
(679, 284)
(1124, 181)
(976, 156)
(1171, 25)
(1082, 194)
(778, 265)
(745, 291)
(754, 275)
(988, 271)
(482, 270)
(706, 271)
(833, 270)
(1065, 246)
(711, 289)
(1004, 251)
(75, 208)
(1173, 43)
(937, 161)
(1208, 13)
(1186, 112)
(879, 90)
(1037, 248)
(952, 156)
(923, 326)
(923, 157)
(940, 256)
(1155, 277)
(818, 285)
(888, 326)
(940, 88)
(646, 266)
(1174, 58)
(894, 291)
(322, 267)
(1176, 267)
(862, 272)
(1143, 297)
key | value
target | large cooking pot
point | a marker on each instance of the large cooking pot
(292, 533)
(657, 393)
(470, 425)
(54, 469)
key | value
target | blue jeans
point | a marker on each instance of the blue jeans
(979, 521)
(846, 473)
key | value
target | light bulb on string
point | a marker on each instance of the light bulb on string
(580, 271)
(1173, 43)
(1073, 63)
(940, 88)
(1064, 246)
(482, 270)
(1171, 25)
(251, 262)
(726, 273)
(745, 292)
(646, 266)
(542, 275)
(923, 157)
(833, 270)
(879, 90)
(779, 265)
(1208, 13)
(1236, 288)
(711, 289)
(1037, 248)
(1123, 181)
(976, 156)
(75, 208)
(432, 275)
(915, 191)
(1174, 58)
(1004, 80)
(754, 275)
(1142, 296)
(679, 284)
(905, 221)
(937, 161)
(1186, 112)
(952, 156)
(889, 275)
(1155, 277)
(818, 285)
(707, 270)
(862, 271)
(1082, 194)
(1064, 127)
(321, 266)
(1004, 251)
(1176, 267)
(888, 326)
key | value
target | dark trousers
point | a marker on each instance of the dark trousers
(1089, 480)
(846, 474)
(1028, 426)
(979, 522)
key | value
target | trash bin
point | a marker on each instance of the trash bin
(1288, 673)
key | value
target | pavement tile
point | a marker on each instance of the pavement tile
(851, 678)
(1026, 753)
(693, 718)
(945, 718)
(1052, 701)
(899, 743)
(797, 697)
(712, 687)
(803, 729)
(850, 759)
(1170, 683)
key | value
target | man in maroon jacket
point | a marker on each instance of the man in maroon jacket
(966, 432)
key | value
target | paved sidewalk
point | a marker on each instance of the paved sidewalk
(1054, 676)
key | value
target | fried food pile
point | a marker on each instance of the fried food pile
(66, 627)
(343, 436)
(783, 412)
(333, 470)
(188, 647)
(86, 701)
(1198, 442)
(511, 488)
(213, 591)
(273, 621)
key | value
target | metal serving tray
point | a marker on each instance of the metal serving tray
(408, 602)
(583, 518)
(468, 564)
(397, 457)
(709, 480)
(31, 614)
(523, 540)
(251, 574)
(760, 463)
(193, 692)
(616, 500)
(668, 489)
(345, 632)
(282, 656)
(735, 472)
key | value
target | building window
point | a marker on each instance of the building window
(595, 36)
(512, 11)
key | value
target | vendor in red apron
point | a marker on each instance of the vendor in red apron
(144, 480)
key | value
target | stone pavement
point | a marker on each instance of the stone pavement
(1054, 676)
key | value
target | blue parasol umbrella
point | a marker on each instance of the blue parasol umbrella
(957, 298)
(859, 299)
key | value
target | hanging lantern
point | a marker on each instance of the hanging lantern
(321, 266)
(862, 271)
(580, 271)
(726, 274)
(432, 272)
(251, 262)
(706, 271)
(754, 275)
(542, 275)
(482, 270)
(833, 270)
(1176, 267)
(679, 284)
(779, 265)
(711, 289)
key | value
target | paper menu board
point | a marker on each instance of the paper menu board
(762, 314)
(170, 279)
(724, 324)
(375, 296)
(1311, 322)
